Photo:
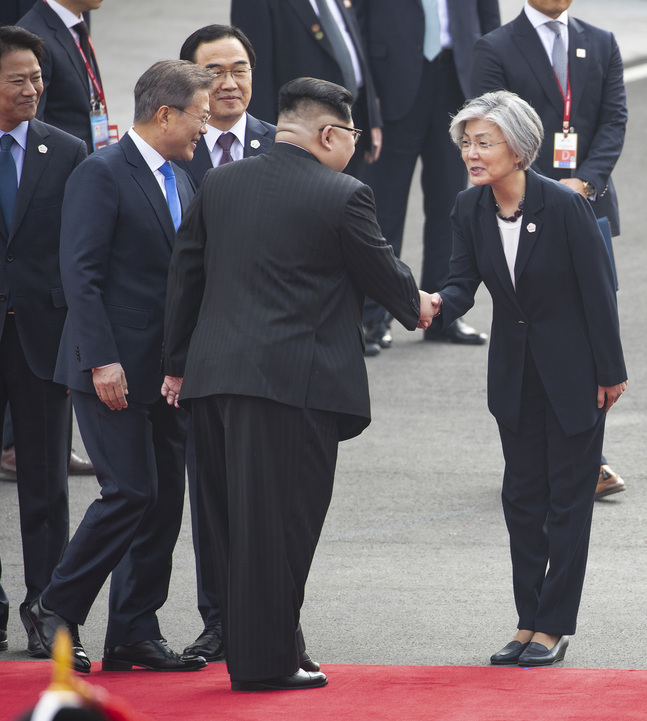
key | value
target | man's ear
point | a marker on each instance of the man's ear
(162, 116)
(325, 137)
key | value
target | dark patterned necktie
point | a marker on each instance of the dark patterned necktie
(225, 141)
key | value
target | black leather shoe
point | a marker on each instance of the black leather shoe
(299, 680)
(307, 664)
(538, 655)
(44, 624)
(456, 332)
(4, 643)
(371, 349)
(154, 655)
(378, 332)
(509, 654)
(208, 644)
(79, 466)
(34, 649)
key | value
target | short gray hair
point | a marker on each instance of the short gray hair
(515, 118)
(169, 82)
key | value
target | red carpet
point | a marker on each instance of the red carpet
(375, 693)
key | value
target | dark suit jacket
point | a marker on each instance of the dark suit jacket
(513, 58)
(394, 34)
(284, 35)
(65, 102)
(289, 247)
(116, 241)
(564, 306)
(256, 130)
(29, 267)
(12, 10)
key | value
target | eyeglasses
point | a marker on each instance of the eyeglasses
(203, 121)
(357, 133)
(481, 145)
(238, 74)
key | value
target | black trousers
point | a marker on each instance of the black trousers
(42, 414)
(265, 479)
(138, 456)
(548, 493)
(422, 133)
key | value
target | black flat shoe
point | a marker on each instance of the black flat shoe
(509, 654)
(153, 655)
(307, 664)
(538, 655)
(299, 680)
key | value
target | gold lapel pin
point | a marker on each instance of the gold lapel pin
(531, 227)
(42, 149)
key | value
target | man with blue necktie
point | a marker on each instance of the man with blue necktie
(120, 215)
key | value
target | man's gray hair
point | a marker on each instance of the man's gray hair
(169, 82)
(515, 118)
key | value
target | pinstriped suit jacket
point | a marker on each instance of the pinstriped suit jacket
(267, 281)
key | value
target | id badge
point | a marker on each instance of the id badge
(100, 129)
(565, 155)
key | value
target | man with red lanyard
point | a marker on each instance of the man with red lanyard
(572, 74)
(73, 99)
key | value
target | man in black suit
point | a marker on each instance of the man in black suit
(226, 51)
(519, 57)
(292, 39)
(420, 59)
(120, 213)
(73, 99)
(263, 323)
(35, 163)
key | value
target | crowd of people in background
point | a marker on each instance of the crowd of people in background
(119, 251)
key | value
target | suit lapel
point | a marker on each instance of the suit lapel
(256, 138)
(579, 52)
(144, 177)
(309, 18)
(532, 224)
(492, 241)
(201, 161)
(530, 46)
(37, 157)
(66, 41)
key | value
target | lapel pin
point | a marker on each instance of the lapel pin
(255, 144)
(348, 4)
(42, 149)
(531, 227)
(580, 52)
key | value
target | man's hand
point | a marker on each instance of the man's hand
(171, 390)
(608, 395)
(372, 155)
(426, 310)
(576, 184)
(437, 303)
(111, 387)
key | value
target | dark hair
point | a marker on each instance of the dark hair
(208, 34)
(15, 38)
(297, 93)
(169, 82)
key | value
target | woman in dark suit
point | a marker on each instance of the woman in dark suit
(555, 360)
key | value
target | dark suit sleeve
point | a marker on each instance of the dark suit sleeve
(89, 213)
(489, 15)
(595, 278)
(255, 19)
(186, 283)
(46, 73)
(464, 276)
(372, 263)
(488, 72)
(609, 137)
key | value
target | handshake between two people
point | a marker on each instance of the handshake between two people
(430, 305)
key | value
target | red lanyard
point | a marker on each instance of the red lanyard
(567, 106)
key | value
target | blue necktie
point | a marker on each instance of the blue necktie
(172, 198)
(431, 46)
(8, 179)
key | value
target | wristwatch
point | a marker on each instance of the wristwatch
(589, 190)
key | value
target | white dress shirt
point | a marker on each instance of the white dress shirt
(153, 159)
(19, 146)
(546, 35)
(510, 233)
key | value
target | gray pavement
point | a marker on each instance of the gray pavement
(413, 565)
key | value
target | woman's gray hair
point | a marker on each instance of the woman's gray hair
(515, 118)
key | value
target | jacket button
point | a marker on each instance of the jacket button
(10, 257)
(3, 297)
(522, 322)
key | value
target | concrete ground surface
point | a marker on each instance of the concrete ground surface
(413, 565)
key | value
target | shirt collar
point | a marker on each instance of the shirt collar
(67, 16)
(20, 134)
(239, 129)
(536, 18)
(151, 156)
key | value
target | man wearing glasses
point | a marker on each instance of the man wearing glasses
(121, 210)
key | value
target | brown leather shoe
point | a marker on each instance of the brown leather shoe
(609, 482)
(78, 466)
(8, 462)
